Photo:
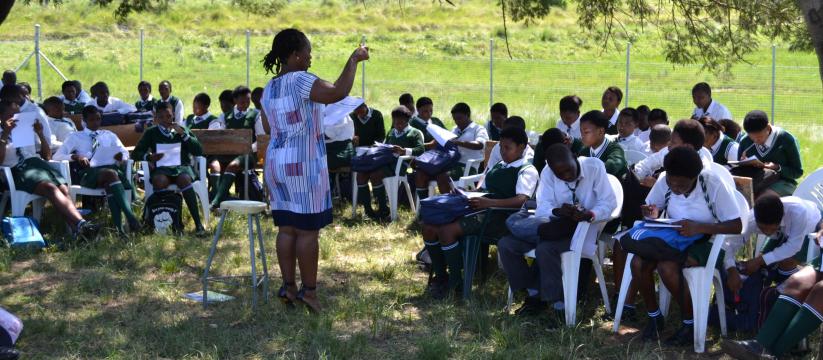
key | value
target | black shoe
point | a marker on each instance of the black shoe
(135, 227)
(556, 319)
(439, 288)
(201, 232)
(87, 232)
(684, 336)
(653, 328)
(532, 306)
(8, 353)
(745, 350)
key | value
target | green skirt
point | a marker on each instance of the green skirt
(783, 187)
(339, 154)
(495, 225)
(175, 171)
(89, 177)
(33, 171)
(700, 250)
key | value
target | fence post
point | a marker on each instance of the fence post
(774, 76)
(141, 53)
(363, 72)
(37, 61)
(248, 58)
(628, 66)
(491, 72)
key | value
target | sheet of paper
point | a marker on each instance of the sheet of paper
(335, 113)
(213, 296)
(661, 223)
(171, 154)
(743, 162)
(23, 134)
(468, 194)
(440, 134)
(103, 156)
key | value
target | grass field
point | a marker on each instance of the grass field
(124, 300)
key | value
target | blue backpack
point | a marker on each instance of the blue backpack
(438, 160)
(443, 209)
(22, 231)
(373, 159)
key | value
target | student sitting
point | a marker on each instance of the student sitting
(25, 90)
(509, 184)
(168, 132)
(368, 126)
(339, 148)
(470, 140)
(61, 127)
(723, 148)
(16, 94)
(407, 100)
(82, 95)
(226, 99)
(658, 117)
(425, 109)
(626, 128)
(407, 141)
(569, 120)
(550, 137)
(659, 138)
(497, 115)
(202, 119)
(705, 105)
(241, 118)
(72, 105)
(643, 127)
(571, 190)
(176, 105)
(146, 102)
(786, 221)
(9, 79)
(256, 95)
(495, 154)
(593, 125)
(732, 130)
(108, 104)
(704, 206)
(686, 132)
(33, 174)
(777, 165)
(81, 147)
(611, 102)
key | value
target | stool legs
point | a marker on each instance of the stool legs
(211, 257)
(263, 259)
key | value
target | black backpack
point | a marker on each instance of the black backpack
(741, 315)
(163, 212)
(255, 188)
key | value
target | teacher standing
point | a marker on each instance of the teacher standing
(296, 170)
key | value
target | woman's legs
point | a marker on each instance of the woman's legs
(287, 258)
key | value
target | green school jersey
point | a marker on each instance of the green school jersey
(246, 121)
(421, 124)
(203, 124)
(783, 151)
(373, 130)
(612, 156)
(145, 105)
(154, 135)
(411, 138)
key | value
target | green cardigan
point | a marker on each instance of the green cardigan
(410, 139)
(420, 124)
(613, 158)
(373, 130)
(152, 136)
(783, 152)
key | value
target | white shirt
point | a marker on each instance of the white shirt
(495, 157)
(527, 178)
(647, 148)
(731, 150)
(11, 158)
(178, 111)
(800, 217)
(340, 132)
(29, 106)
(716, 111)
(643, 135)
(220, 124)
(613, 119)
(693, 206)
(631, 142)
(61, 129)
(648, 166)
(473, 132)
(114, 105)
(80, 142)
(573, 130)
(83, 96)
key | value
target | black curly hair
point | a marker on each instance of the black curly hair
(284, 44)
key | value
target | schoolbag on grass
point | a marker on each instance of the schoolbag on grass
(742, 311)
(255, 188)
(22, 231)
(163, 212)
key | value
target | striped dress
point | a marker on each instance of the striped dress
(296, 170)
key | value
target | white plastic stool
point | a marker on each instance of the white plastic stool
(252, 210)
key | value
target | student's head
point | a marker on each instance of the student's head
(553, 136)
(406, 100)
(657, 117)
(593, 126)
(100, 91)
(702, 95)
(25, 90)
(256, 95)
(688, 132)
(461, 113)
(643, 117)
(756, 124)
(730, 127)
(627, 122)
(201, 104)
(768, 213)
(164, 88)
(9, 78)
(163, 115)
(290, 48)
(400, 117)
(570, 109)
(713, 129)
(92, 117)
(513, 141)
(682, 165)
(144, 89)
(226, 101)
(8, 109)
(362, 110)
(69, 90)
(498, 113)
(659, 137)
(562, 162)
(611, 98)
(11, 94)
(242, 97)
(78, 85)
(425, 108)
(54, 107)
(515, 121)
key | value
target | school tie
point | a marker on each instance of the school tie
(763, 148)
(198, 119)
(20, 157)
(94, 142)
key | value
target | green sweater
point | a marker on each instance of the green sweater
(153, 136)
(409, 139)
(420, 124)
(374, 130)
(783, 152)
(202, 125)
(613, 158)
(147, 105)
(720, 156)
(246, 122)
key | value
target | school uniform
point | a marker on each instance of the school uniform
(146, 105)
(201, 122)
(724, 150)
(631, 142)
(612, 129)
(114, 105)
(572, 130)
(83, 97)
(61, 129)
(370, 128)
(612, 156)
(410, 139)
(472, 132)
(539, 159)
(29, 106)
(420, 124)
(84, 143)
(176, 106)
(495, 156)
(493, 131)
(73, 107)
(28, 169)
(249, 119)
(592, 191)
(339, 148)
(715, 110)
(643, 135)
(780, 148)
(650, 165)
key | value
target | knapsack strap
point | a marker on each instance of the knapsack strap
(703, 187)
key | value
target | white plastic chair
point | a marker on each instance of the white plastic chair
(634, 156)
(391, 184)
(21, 199)
(725, 175)
(471, 164)
(811, 188)
(570, 260)
(199, 185)
(75, 190)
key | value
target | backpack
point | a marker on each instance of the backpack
(438, 160)
(255, 188)
(10, 328)
(22, 231)
(443, 209)
(112, 118)
(163, 212)
(374, 158)
(743, 310)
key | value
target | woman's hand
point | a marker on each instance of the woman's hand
(118, 157)
(648, 181)
(771, 166)
(753, 265)
(733, 280)
(360, 54)
(399, 150)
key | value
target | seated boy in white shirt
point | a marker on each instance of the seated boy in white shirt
(659, 138)
(626, 126)
(61, 127)
(686, 132)
(569, 120)
(108, 104)
(643, 126)
(705, 105)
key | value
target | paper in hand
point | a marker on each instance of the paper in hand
(171, 154)
(441, 135)
(23, 133)
(337, 112)
(104, 156)
(744, 162)
(661, 223)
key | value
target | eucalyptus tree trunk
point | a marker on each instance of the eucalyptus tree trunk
(812, 11)
(5, 9)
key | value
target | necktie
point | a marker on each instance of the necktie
(94, 142)
(763, 148)
(198, 119)
(20, 157)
